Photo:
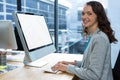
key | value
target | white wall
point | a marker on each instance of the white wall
(114, 17)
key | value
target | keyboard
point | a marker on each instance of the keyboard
(49, 70)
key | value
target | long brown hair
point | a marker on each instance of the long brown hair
(103, 22)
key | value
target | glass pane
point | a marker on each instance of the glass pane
(10, 8)
(22, 2)
(31, 3)
(31, 8)
(1, 17)
(9, 17)
(1, 0)
(1, 7)
(11, 1)
(46, 8)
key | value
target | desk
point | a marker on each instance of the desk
(33, 73)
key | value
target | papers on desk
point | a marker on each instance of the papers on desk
(18, 57)
(8, 67)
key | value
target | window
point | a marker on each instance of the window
(47, 10)
(9, 17)
(22, 2)
(11, 1)
(1, 17)
(1, 7)
(43, 6)
(10, 9)
(31, 3)
(70, 27)
(51, 8)
(79, 15)
(1, 0)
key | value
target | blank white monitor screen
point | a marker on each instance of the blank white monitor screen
(34, 35)
(32, 25)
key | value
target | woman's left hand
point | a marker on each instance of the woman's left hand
(59, 66)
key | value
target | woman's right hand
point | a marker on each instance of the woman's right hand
(67, 62)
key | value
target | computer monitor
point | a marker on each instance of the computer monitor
(7, 36)
(34, 35)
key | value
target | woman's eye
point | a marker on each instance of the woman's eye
(89, 13)
(83, 13)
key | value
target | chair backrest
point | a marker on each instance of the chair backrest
(116, 69)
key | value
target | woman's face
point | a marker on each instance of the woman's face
(89, 18)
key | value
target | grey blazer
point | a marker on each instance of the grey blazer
(96, 63)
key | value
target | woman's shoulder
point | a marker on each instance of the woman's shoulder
(101, 36)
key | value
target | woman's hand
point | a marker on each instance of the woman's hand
(59, 66)
(62, 65)
(66, 62)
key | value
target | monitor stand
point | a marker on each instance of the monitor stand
(36, 63)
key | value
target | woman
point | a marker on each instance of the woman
(96, 63)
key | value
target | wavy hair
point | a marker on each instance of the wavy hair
(103, 22)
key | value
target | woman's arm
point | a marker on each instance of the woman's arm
(96, 61)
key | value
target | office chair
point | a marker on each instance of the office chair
(116, 69)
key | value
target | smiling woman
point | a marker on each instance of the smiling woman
(96, 63)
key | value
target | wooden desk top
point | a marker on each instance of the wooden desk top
(33, 73)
